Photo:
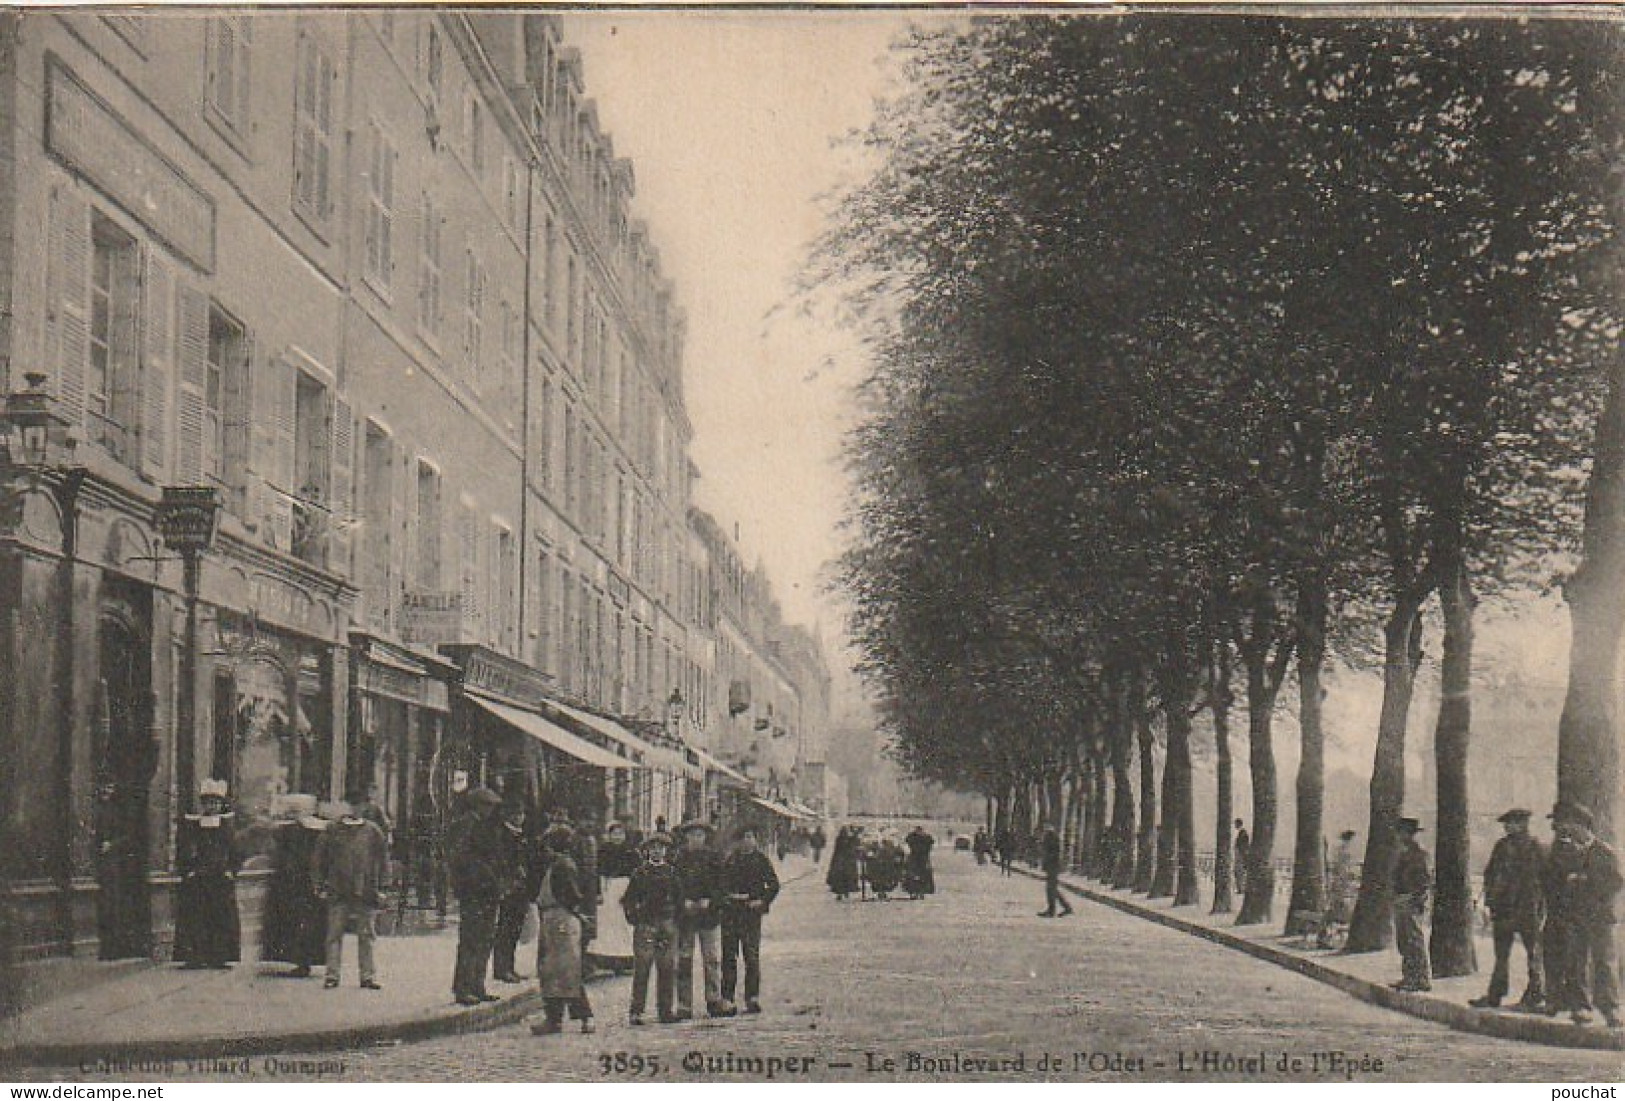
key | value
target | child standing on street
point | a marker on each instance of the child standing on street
(652, 902)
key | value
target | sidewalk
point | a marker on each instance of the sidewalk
(1365, 976)
(158, 1011)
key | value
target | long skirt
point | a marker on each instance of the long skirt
(207, 930)
(559, 955)
(843, 873)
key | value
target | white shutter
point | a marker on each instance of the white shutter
(69, 275)
(469, 537)
(193, 343)
(157, 363)
(344, 471)
(273, 473)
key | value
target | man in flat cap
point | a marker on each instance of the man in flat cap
(1582, 882)
(1411, 883)
(699, 927)
(1512, 891)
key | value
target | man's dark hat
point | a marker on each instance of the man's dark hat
(661, 838)
(1516, 814)
(1572, 812)
(694, 824)
(1408, 825)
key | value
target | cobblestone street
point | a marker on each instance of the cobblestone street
(870, 990)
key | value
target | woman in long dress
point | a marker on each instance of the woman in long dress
(843, 864)
(918, 879)
(295, 929)
(207, 930)
(559, 963)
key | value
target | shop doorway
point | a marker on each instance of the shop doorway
(126, 756)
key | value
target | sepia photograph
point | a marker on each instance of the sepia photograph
(812, 543)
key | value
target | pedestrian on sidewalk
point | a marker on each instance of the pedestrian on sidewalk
(818, 840)
(1052, 877)
(1244, 845)
(1513, 893)
(560, 943)
(653, 900)
(918, 879)
(352, 865)
(1341, 888)
(522, 852)
(699, 927)
(843, 864)
(1412, 881)
(1583, 880)
(1007, 850)
(751, 885)
(295, 924)
(480, 876)
(208, 932)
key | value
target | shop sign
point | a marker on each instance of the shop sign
(186, 517)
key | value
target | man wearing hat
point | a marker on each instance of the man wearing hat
(480, 876)
(704, 896)
(652, 902)
(1411, 883)
(1582, 881)
(1512, 891)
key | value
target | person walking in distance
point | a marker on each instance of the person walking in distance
(480, 876)
(1412, 881)
(1583, 880)
(1007, 850)
(1244, 845)
(352, 865)
(751, 886)
(1052, 877)
(818, 840)
(652, 902)
(1513, 893)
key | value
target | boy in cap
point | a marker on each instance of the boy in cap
(699, 867)
(1582, 881)
(480, 876)
(1411, 883)
(1512, 891)
(652, 902)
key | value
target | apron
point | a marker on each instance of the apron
(559, 969)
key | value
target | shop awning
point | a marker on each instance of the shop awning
(533, 725)
(777, 808)
(653, 756)
(711, 764)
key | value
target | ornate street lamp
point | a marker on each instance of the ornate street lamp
(187, 517)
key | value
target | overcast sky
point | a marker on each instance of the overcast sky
(732, 122)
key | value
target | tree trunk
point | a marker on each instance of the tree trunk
(1451, 945)
(1223, 870)
(1146, 843)
(1077, 818)
(1122, 871)
(1101, 865)
(1258, 902)
(1372, 927)
(1308, 850)
(1187, 891)
(1162, 881)
(1590, 732)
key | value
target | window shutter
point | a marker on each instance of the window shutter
(157, 363)
(470, 539)
(69, 298)
(272, 476)
(344, 478)
(403, 552)
(243, 488)
(194, 350)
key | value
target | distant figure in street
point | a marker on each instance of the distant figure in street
(1340, 888)
(818, 841)
(1513, 893)
(1412, 881)
(1052, 877)
(1007, 850)
(294, 929)
(918, 879)
(1244, 844)
(981, 846)
(883, 866)
(481, 874)
(843, 864)
(653, 901)
(208, 932)
(352, 863)
(1582, 880)
(560, 948)
(751, 886)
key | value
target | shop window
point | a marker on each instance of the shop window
(223, 762)
(114, 387)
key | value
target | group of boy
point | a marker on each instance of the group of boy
(691, 899)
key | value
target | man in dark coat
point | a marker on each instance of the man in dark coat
(480, 876)
(1052, 877)
(918, 879)
(818, 840)
(751, 885)
(521, 851)
(1412, 881)
(653, 901)
(208, 932)
(1513, 893)
(1007, 850)
(1583, 880)
(699, 928)
(1244, 845)
(294, 928)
